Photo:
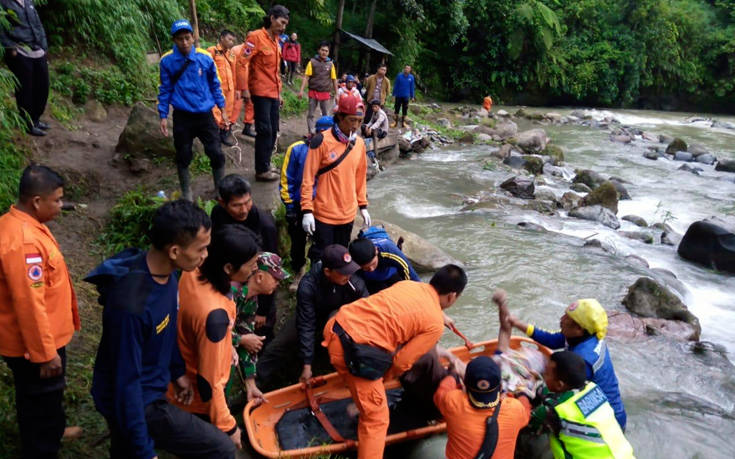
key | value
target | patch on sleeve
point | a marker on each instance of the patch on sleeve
(33, 258)
(164, 323)
(204, 388)
(217, 324)
(35, 273)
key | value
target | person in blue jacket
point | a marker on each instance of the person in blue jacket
(403, 91)
(583, 330)
(189, 82)
(292, 173)
(382, 263)
(138, 355)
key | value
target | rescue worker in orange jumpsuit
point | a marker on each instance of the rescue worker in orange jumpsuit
(381, 336)
(249, 117)
(258, 78)
(487, 103)
(38, 311)
(224, 60)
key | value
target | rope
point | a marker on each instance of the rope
(235, 148)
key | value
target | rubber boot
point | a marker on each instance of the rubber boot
(217, 174)
(185, 183)
(403, 122)
(226, 138)
(248, 130)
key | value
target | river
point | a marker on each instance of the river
(680, 404)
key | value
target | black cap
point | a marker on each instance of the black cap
(337, 257)
(482, 380)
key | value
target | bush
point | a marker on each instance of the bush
(130, 220)
(292, 105)
(109, 85)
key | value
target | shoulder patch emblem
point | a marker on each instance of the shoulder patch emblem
(35, 273)
(332, 155)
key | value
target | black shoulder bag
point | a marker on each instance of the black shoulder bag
(491, 436)
(177, 75)
(336, 163)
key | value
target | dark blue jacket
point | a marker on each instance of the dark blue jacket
(292, 173)
(597, 359)
(404, 86)
(393, 266)
(25, 26)
(138, 355)
(198, 88)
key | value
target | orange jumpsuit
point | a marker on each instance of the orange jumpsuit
(258, 65)
(224, 60)
(205, 341)
(340, 191)
(406, 315)
(466, 424)
(487, 103)
(38, 307)
(249, 117)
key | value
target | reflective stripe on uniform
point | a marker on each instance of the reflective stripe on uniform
(585, 432)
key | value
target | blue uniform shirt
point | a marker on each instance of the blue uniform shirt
(404, 86)
(292, 174)
(393, 266)
(198, 88)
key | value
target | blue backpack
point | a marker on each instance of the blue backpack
(378, 235)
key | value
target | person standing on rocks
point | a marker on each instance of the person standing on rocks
(25, 54)
(583, 329)
(321, 76)
(377, 86)
(224, 59)
(403, 91)
(336, 166)
(189, 83)
(259, 80)
(38, 312)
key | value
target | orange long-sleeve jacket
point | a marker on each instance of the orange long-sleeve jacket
(205, 341)
(340, 191)
(258, 65)
(406, 314)
(224, 60)
(38, 306)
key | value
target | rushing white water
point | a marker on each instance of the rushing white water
(680, 404)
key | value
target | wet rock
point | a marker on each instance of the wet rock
(554, 152)
(404, 145)
(648, 298)
(482, 113)
(670, 237)
(580, 188)
(650, 137)
(654, 155)
(707, 158)
(531, 226)
(688, 168)
(467, 138)
(542, 206)
(503, 151)
(620, 188)
(503, 129)
(553, 117)
(710, 245)
(725, 165)
(520, 187)
(605, 195)
(443, 122)
(676, 145)
(95, 111)
(638, 236)
(664, 138)
(723, 124)
(589, 177)
(593, 243)
(514, 160)
(141, 136)
(570, 200)
(621, 138)
(532, 141)
(544, 194)
(533, 164)
(483, 138)
(637, 261)
(696, 149)
(502, 113)
(596, 213)
(623, 325)
(683, 156)
(554, 171)
(636, 220)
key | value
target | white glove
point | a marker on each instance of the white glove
(308, 223)
(365, 217)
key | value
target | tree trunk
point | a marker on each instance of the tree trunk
(370, 20)
(194, 20)
(338, 26)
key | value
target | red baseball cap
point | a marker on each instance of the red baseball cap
(351, 105)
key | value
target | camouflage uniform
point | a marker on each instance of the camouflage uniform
(244, 325)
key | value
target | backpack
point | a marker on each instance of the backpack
(378, 234)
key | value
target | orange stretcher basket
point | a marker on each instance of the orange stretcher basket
(260, 421)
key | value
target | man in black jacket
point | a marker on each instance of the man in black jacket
(25, 54)
(329, 284)
(236, 207)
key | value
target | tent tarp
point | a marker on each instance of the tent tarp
(369, 42)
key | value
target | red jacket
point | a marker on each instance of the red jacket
(292, 51)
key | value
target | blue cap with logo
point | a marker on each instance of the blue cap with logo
(179, 25)
(482, 379)
(350, 78)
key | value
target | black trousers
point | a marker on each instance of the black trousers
(291, 69)
(38, 405)
(187, 127)
(298, 240)
(401, 104)
(266, 125)
(326, 234)
(176, 431)
(31, 94)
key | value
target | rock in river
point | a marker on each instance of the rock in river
(707, 158)
(710, 245)
(683, 156)
(532, 141)
(636, 220)
(725, 165)
(580, 188)
(589, 177)
(520, 187)
(676, 145)
(688, 168)
(605, 195)
(596, 213)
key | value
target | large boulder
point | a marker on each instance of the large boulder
(589, 177)
(710, 245)
(596, 213)
(605, 195)
(554, 152)
(570, 200)
(648, 298)
(520, 187)
(620, 188)
(622, 325)
(504, 129)
(707, 158)
(676, 145)
(532, 141)
(725, 165)
(141, 136)
(580, 188)
(683, 156)
(533, 164)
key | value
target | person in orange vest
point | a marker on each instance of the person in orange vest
(487, 103)
(337, 159)
(38, 311)
(381, 336)
(206, 315)
(249, 116)
(259, 79)
(224, 60)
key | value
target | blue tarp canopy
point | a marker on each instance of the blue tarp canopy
(369, 42)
